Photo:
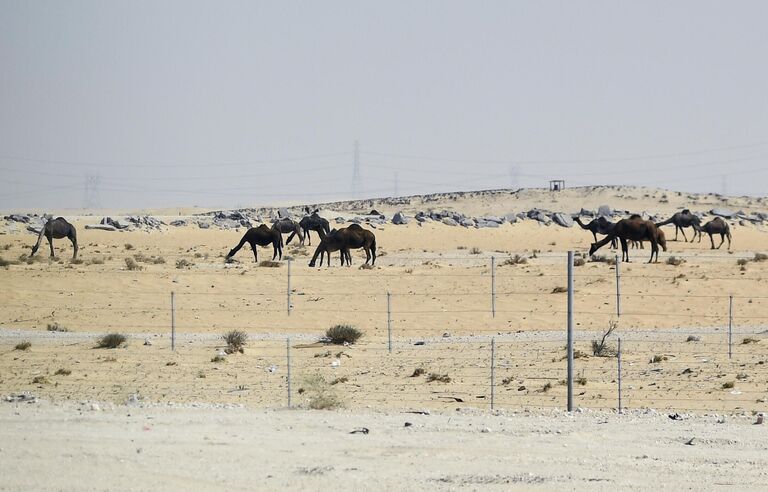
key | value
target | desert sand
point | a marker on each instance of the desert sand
(673, 325)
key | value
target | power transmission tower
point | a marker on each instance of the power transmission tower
(91, 195)
(356, 172)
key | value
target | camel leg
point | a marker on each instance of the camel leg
(50, 243)
(74, 246)
(684, 237)
(712, 241)
(722, 240)
(255, 254)
(654, 251)
(624, 250)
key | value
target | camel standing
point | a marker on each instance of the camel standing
(328, 243)
(286, 226)
(344, 239)
(314, 223)
(634, 228)
(717, 226)
(681, 220)
(261, 236)
(600, 225)
(57, 228)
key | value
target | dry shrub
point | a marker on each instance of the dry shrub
(601, 348)
(515, 260)
(579, 262)
(749, 340)
(581, 381)
(219, 358)
(131, 264)
(342, 379)
(441, 378)
(559, 290)
(475, 251)
(111, 341)
(128, 246)
(366, 266)
(742, 261)
(235, 340)
(320, 394)
(63, 372)
(760, 257)
(183, 263)
(674, 261)
(340, 334)
(40, 380)
(5, 263)
(658, 358)
(418, 372)
(270, 264)
(728, 385)
(22, 346)
(55, 326)
(693, 338)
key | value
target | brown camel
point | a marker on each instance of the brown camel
(661, 238)
(57, 228)
(262, 236)
(328, 243)
(634, 228)
(717, 226)
(286, 226)
(344, 239)
(600, 225)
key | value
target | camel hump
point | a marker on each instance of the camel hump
(355, 226)
(686, 211)
(635, 216)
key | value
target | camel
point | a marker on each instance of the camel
(315, 223)
(639, 244)
(717, 226)
(634, 228)
(262, 236)
(288, 225)
(600, 225)
(681, 220)
(347, 238)
(328, 243)
(57, 228)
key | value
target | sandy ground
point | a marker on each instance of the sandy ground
(76, 447)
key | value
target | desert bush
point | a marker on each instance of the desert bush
(507, 381)
(728, 385)
(559, 290)
(22, 346)
(657, 358)
(461, 247)
(55, 326)
(581, 381)
(342, 379)
(63, 372)
(601, 348)
(693, 338)
(760, 257)
(76, 261)
(742, 261)
(320, 394)
(5, 263)
(749, 340)
(128, 246)
(131, 264)
(674, 261)
(219, 358)
(418, 372)
(159, 260)
(235, 340)
(6, 247)
(340, 334)
(546, 387)
(40, 380)
(515, 260)
(442, 378)
(475, 251)
(183, 263)
(579, 262)
(269, 264)
(111, 341)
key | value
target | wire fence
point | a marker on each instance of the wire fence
(490, 334)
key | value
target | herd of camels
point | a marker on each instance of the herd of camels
(631, 231)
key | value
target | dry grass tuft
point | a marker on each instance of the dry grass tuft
(63, 372)
(131, 264)
(340, 334)
(270, 264)
(55, 326)
(441, 378)
(320, 394)
(235, 340)
(23, 346)
(111, 341)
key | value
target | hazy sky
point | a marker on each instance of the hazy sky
(167, 103)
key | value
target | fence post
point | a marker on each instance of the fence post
(173, 321)
(618, 287)
(618, 355)
(493, 371)
(288, 367)
(389, 321)
(730, 326)
(493, 286)
(289, 288)
(569, 347)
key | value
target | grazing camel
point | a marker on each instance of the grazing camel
(262, 236)
(314, 223)
(600, 225)
(346, 238)
(634, 228)
(328, 243)
(717, 226)
(286, 226)
(681, 220)
(57, 228)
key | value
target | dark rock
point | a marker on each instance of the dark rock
(400, 219)
(605, 211)
(562, 220)
(449, 221)
(722, 212)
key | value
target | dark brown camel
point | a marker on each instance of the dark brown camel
(315, 223)
(682, 220)
(57, 228)
(286, 226)
(328, 244)
(352, 237)
(261, 236)
(634, 228)
(661, 238)
(717, 226)
(601, 226)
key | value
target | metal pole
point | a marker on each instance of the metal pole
(289, 288)
(288, 365)
(493, 371)
(730, 326)
(493, 286)
(389, 321)
(570, 332)
(618, 287)
(173, 321)
(618, 355)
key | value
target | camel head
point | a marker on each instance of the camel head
(662, 240)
